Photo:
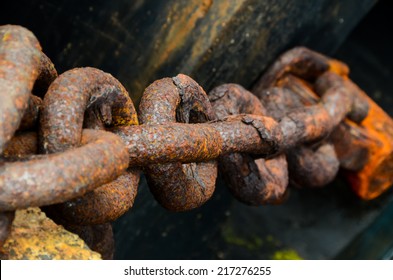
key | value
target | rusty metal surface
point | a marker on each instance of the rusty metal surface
(252, 181)
(363, 141)
(99, 102)
(64, 106)
(104, 204)
(22, 62)
(177, 186)
(59, 177)
(87, 177)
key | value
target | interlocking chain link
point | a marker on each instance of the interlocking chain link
(78, 152)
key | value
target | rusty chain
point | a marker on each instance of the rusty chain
(74, 145)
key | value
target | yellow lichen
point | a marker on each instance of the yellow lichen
(288, 254)
(36, 237)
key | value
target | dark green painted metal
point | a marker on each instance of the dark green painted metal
(375, 242)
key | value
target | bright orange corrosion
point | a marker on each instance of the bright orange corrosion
(376, 176)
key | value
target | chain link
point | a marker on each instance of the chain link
(78, 152)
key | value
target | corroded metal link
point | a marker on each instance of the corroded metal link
(332, 82)
(352, 142)
(363, 141)
(371, 140)
(301, 62)
(178, 142)
(21, 63)
(252, 181)
(59, 177)
(335, 105)
(177, 186)
(104, 204)
(100, 101)
(313, 165)
(64, 107)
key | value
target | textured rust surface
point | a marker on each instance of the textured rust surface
(362, 131)
(21, 146)
(102, 205)
(93, 99)
(177, 186)
(59, 177)
(301, 62)
(172, 142)
(351, 140)
(21, 63)
(64, 106)
(313, 165)
(287, 89)
(252, 181)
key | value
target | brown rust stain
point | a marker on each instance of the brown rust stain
(222, 10)
(181, 21)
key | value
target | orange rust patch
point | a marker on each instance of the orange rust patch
(376, 176)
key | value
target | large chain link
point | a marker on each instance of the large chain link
(78, 152)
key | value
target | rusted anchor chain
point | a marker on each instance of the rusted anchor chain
(304, 161)
(59, 177)
(363, 142)
(98, 237)
(99, 101)
(21, 64)
(177, 186)
(260, 135)
(179, 142)
(252, 181)
(301, 62)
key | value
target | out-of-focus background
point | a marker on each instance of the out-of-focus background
(217, 41)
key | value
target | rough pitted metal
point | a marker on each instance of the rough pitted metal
(99, 102)
(304, 161)
(252, 181)
(21, 63)
(64, 106)
(59, 177)
(177, 186)
(104, 204)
